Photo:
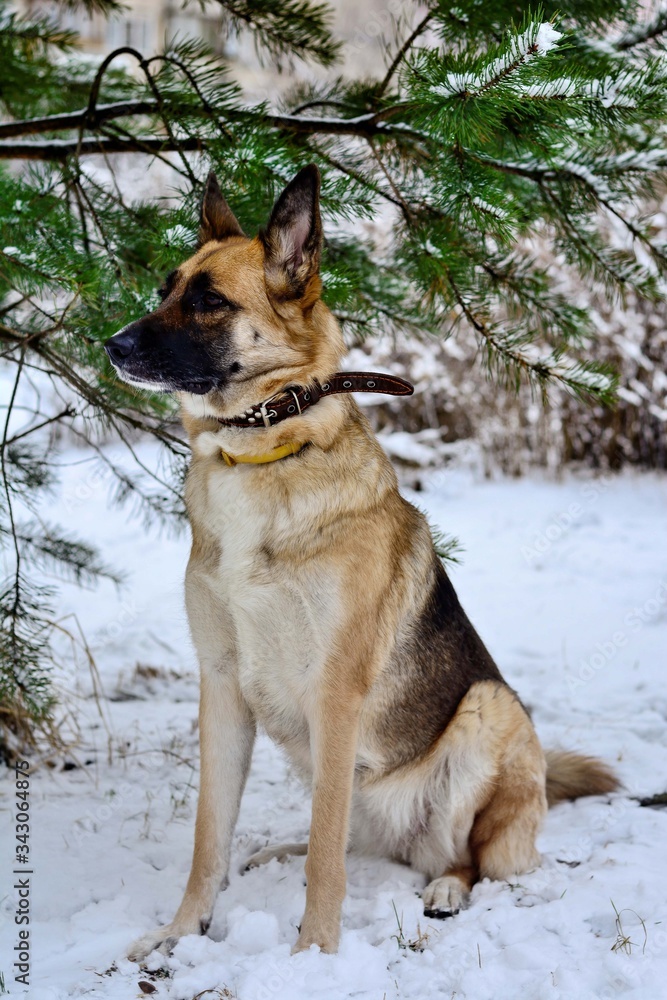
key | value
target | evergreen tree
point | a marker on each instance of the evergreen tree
(494, 124)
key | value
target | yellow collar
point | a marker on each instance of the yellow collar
(270, 456)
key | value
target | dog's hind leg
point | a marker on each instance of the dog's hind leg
(491, 748)
(502, 840)
(281, 852)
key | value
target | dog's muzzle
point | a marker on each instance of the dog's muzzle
(164, 366)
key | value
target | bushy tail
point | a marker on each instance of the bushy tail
(570, 775)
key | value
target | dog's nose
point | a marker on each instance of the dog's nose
(120, 346)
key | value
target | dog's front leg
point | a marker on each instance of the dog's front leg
(226, 735)
(333, 745)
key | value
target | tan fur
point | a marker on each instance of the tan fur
(307, 578)
(570, 775)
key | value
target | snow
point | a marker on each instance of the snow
(611, 92)
(486, 206)
(567, 584)
(560, 87)
(535, 41)
(546, 38)
(179, 235)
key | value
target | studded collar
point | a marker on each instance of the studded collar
(296, 399)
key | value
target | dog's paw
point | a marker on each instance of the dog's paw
(327, 943)
(325, 936)
(163, 939)
(160, 938)
(445, 896)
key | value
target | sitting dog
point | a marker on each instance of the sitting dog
(318, 606)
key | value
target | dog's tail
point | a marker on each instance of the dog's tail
(570, 775)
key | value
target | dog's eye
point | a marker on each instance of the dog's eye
(168, 285)
(211, 300)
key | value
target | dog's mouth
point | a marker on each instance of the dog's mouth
(200, 387)
(169, 383)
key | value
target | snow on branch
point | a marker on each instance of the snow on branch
(536, 40)
(640, 34)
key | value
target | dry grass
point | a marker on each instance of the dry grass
(417, 943)
(218, 992)
(623, 942)
(47, 740)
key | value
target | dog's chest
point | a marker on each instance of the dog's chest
(283, 607)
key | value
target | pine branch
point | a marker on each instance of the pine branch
(85, 118)
(580, 379)
(643, 33)
(25, 694)
(477, 77)
(51, 551)
(365, 126)
(292, 28)
(403, 51)
(447, 547)
(61, 149)
(103, 7)
(30, 33)
(69, 411)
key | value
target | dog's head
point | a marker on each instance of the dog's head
(243, 317)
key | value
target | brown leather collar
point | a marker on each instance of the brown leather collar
(293, 400)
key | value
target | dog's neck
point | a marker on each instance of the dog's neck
(288, 406)
(320, 425)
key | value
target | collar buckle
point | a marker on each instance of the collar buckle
(268, 415)
(265, 414)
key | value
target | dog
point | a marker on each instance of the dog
(317, 604)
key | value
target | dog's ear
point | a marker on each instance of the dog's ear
(216, 220)
(293, 238)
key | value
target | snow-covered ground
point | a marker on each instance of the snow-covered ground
(567, 584)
